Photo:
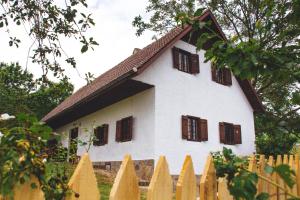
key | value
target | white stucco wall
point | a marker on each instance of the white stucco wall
(178, 93)
(141, 107)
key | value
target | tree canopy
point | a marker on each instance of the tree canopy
(46, 23)
(263, 46)
(21, 93)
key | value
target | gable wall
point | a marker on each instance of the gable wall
(178, 93)
(141, 107)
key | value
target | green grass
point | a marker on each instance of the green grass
(105, 186)
(104, 190)
(104, 183)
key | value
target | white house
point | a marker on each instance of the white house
(162, 100)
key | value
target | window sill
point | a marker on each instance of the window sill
(194, 140)
(128, 140)
(187, 72)
(99, 145)
(222, 83)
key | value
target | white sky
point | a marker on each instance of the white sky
(113, 32)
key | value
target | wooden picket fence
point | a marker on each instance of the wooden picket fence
(125, 187)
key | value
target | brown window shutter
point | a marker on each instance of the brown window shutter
(227, 76)
(184, 127)
(213, 72)
(237, 134)
(105, 133)
(175, 52)
(130, 125)
(195, 63)
(222, 132)
(118, 130)
(203, 129)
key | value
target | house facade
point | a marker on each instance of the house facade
(162, 100)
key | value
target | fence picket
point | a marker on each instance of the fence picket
(223, 192)
(297, 169)
(26, 192)
(83, 181)
(161, 184)
(281, 194)
(286, 162)
(293, 190)
(125, 186)
(271, 189)
(208, 183)
(186, 184)
(252, 164)
(262, 185)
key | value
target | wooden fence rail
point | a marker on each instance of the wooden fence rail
(83, 181)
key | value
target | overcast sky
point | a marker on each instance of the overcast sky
(113, 32)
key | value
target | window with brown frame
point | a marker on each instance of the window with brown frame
(194, 128)
(101, 135)
(221, 75)
(185, 61)
(124, 129)
(230, 133)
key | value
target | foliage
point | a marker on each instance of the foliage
(242, 183)
(263, 46)
(23, 153)
(275, 143)
(57, 153)
(21, 93)
(46, 23)
(163, 17)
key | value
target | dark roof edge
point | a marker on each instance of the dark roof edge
(106, 87)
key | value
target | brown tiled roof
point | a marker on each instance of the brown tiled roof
(140, 60)
(134, 61)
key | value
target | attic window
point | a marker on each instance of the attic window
(221, 75)
(185, 61)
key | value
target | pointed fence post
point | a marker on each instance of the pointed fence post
(271, 189)
(186, 185)
(125, 186)
(83, 181)
(161, 184)
(25, 192)
(297, 169)
(208, 182)
(292, 165)
(252, 164)
(281, 194)
(262, 185)
(286, 162)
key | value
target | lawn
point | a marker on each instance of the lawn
(105, 185)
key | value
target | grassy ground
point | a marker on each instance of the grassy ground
(105, 185)
(104, 182)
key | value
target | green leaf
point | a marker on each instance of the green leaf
(199, 12)
(262, 196)
(84, 48)
(268, 169)
(285, 172)
(33, 185)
